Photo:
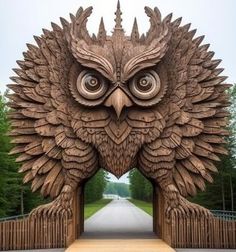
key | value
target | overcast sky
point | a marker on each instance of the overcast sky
(21, 19)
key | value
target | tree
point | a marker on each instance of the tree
(120, 189)
(140, 187)
(15, 198)
(95, 187)
(222, 193)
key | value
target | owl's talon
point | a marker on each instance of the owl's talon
(181, 207)
(61, 206)
(51, 210)
(185, 209)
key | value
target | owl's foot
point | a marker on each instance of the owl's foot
(61, 206)
(182, 207)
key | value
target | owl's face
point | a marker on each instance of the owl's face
(91, 88)
(118, 71)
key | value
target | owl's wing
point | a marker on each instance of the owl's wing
(201, 97)
(196, 121)
(41, 116)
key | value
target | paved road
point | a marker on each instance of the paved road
(119, 219)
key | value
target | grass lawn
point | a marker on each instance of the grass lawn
(92, 208)
(145, 206)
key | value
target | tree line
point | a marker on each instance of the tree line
(15, 198)
(95, 187)
(140, 187)
(120, 189)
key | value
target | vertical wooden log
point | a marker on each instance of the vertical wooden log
(158, 212)
(75, 225)
(154, 207)
(81, 205)
(163, 227)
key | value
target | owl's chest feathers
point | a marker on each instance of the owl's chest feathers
(118, 141)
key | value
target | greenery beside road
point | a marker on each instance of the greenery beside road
(92, 208)
(145, 206)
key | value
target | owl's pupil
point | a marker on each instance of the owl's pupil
(144, 83)
(92, 83)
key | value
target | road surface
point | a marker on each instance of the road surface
(119, 219)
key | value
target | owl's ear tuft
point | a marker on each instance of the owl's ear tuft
(168, 18)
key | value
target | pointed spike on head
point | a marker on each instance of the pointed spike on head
(142, 38)
(101, 29)
(101, 36)
(89, 11)
(118, 5)
(168, 18)
(135, 31)
(118, 19)
(148, 10)
(72, 17)
(79, 11)
(157, 13)
(94, 36)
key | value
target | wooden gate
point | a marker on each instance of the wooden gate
(29, 233)
(218, 231)
(23, 232)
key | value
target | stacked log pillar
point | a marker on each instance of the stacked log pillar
(161, 227)
(76, 223)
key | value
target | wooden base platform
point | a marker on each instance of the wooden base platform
(119, 245)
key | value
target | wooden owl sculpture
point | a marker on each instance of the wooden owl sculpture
(155, 102)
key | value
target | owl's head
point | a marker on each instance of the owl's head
(118, 71)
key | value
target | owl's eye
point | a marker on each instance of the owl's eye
(145, 85)
(91, 85)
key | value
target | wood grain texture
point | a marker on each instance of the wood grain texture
(40, 233)
(153, 101)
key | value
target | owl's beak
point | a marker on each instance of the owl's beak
(118, 100)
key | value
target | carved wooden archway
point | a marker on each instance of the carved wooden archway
(154, 101)
(77, 222)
